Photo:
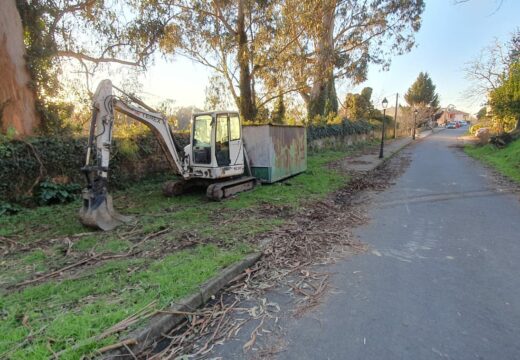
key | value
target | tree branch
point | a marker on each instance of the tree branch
(298, 89)
(96, 60)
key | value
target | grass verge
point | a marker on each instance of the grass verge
(506, 161)
(174, 245)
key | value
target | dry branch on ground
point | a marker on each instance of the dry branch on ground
(321, 233)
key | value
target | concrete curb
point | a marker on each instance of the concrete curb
(387, 157)
(162, 323)
(419, 137)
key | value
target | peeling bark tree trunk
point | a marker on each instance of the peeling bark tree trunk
(323, 99)
(17, 100)
(247, 107)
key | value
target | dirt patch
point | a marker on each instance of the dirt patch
(357, 162)
(318, 234)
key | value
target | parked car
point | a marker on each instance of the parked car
(451, 126)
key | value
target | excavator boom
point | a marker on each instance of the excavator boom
(97, 210)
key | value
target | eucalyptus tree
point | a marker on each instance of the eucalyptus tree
(341, 38)
(91, 33)
(236, 39)
(263, 49)
(278, 114)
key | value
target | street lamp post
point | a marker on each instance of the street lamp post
(385, 104)
(395, 115)
(414, 122)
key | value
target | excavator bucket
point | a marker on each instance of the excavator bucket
(98, 211)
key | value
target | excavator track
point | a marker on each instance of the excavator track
(225, 189)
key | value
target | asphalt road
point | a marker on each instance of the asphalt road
(442, 278)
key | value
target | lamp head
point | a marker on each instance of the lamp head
(385, 103)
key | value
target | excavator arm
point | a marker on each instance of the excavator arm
(97, 210)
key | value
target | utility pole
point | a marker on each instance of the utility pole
(414, 122)
(385, 104)
(395, 115)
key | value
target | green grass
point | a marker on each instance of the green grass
(53, 221)
(506, 161)
(71, 311)
(315, 183)
(68, 311)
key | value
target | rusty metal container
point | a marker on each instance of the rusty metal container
(276, 152)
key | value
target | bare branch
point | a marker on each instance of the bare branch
(97, 60)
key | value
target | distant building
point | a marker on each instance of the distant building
(451, 115)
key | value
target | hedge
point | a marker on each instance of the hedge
(25, 163)
(346, 127)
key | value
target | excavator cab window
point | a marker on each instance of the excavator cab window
(234, 127)
(222, 141)
(202, 139)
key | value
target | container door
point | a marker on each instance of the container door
(235, 141)
(222, 141)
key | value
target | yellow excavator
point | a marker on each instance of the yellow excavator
(215, 158)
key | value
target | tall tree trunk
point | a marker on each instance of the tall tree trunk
(247, 106)
(17, 100)
(323, 99)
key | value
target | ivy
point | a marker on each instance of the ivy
(8, 208)
(40, 51)
(132, 158)
(62, 159)
(346, 127)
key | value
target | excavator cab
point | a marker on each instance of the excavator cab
(216, 148)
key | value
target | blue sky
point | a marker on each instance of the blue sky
(450, 36)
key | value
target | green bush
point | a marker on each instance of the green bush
(128, 147)
(8, 208)
(50, 193)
